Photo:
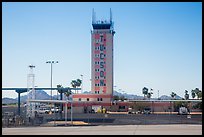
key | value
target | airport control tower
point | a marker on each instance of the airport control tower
(102, 56)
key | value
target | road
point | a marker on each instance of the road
(178, 129)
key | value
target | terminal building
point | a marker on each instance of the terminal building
(101, 67)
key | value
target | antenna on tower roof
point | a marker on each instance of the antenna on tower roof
(93, 16)
(110, 16)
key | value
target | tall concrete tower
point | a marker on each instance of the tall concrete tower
(102, 56)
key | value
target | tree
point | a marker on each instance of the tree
(186, 96)
(200, 95)
(76, 83)
(197, 92)
(193, 94)
(68, 93)
(149, 94)
(144, 91)
(59, 88)
(173, 95)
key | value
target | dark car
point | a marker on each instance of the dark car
(147, 111)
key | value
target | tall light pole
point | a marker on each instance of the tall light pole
(51, 62)
(81, 83)
(31, 93)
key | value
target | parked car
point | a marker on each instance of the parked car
(43, 110)
(55, 110)
(183, 111)
(147, 111)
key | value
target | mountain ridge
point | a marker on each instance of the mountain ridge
(41, 94)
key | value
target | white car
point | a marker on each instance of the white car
(43, 110)
(183, 111)
(55, 110)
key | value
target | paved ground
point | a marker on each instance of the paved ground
(178, 129)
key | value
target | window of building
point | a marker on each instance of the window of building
(99, 99)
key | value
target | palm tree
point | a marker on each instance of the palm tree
(186, 96)
(68, 93)
(193, 94)
(173, 95)
(144, 91)
(60, 87)
(200, 95)
(74, 84)
(149, 94)
(197, 92)
(79, 82)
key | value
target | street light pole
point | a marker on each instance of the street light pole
(51, 62)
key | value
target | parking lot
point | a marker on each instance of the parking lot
(114, 118)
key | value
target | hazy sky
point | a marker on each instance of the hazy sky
(156, 45)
